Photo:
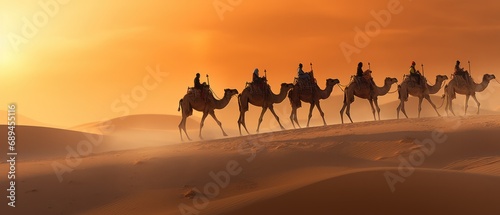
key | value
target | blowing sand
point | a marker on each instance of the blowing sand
(445, 165)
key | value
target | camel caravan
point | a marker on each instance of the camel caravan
(306, 89)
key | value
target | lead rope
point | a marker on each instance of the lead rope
(215, 95)
(340, 87)
(393, 91)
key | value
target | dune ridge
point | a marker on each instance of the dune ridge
(332, 169)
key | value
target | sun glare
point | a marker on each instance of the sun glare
(5, 48)
(5, 55)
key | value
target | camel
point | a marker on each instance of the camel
(362, 90)
(207, 106)
(406, 88)
(467, 88)
(312, 97)
(265, 101)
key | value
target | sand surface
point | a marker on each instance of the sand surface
(448, 165)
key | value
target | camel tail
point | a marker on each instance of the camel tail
(180, 102)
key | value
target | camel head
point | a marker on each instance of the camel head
(488, 77)
(390, 81)
(230, 92)
(441, 77)
(332, 82)
(286, 86)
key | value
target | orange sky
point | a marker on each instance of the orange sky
(90, 53)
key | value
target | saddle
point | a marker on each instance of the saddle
(365, 79)
(306, 84)
(258, 88)
(463, 79)
(415, 80)
(199, 93)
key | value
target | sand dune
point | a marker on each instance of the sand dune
(23, 120)
(366, 192)
(338, 169)
(40, 143)
(137, 122)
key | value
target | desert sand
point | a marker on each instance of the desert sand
(448, 165)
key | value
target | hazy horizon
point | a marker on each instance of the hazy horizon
(78, 65)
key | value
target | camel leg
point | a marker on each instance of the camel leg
(398, 109)
(373, 109)
(205, 114)
(428, 98)
(212, 113)
(180, 132)
(420, 99)
(450, 105)
(245, 124)
(271, 108)
(466, 103)
(243, 105)
(182, 126)
(310, 113)
(401, 92)
(348, 112)
(375, 100)
(342, 113)
(447, 107)
(321, 113)
(291, 117)
(264, 109)
(241, 122)
(477, 102)
(241, 119)
(294, 118)
(403, 109)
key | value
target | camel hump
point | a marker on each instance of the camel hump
(259, 88)
(412, 79)
(463, 81)
(363, 81)
(462, 76)
(304, 82)
(196, 93)
(306, 86)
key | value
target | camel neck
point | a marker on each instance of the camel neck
(279, 97)
(482, 86)
(324, 94)
(433, 89)
(385, 89)
(220, 104)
